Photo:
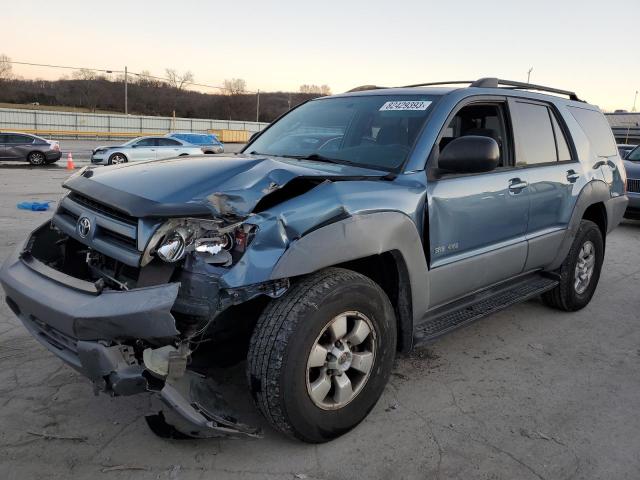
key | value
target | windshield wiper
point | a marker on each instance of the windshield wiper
(316, 156)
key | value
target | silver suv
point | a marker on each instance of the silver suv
(354, 227)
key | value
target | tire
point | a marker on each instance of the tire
(567, 296)
(37, 158)
(117, 158)
(278, 369)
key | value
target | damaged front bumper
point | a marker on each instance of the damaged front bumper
(95, 333)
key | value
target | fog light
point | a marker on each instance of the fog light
(173, 247)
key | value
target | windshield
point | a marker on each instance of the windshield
(634, 155)
(132, 141)
(375, 131)
(196, 139)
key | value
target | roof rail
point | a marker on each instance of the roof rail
(492, 82)
(431, 84)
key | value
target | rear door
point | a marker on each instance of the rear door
(477, 222)
(552, 173)
(167, 148)
(17, 146)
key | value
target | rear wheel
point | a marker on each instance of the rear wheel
(36, 158)
(116, 159)
(580, 272)
(321, 355)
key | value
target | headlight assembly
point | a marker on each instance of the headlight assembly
(211, 240)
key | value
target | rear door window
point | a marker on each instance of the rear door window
(535, 135)
(563, 147)
(597, 129)
(168, 142)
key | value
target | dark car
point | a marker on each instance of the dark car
(355, 226)
(207, 142)
(624, 149)
(30, 148)
(632, 166)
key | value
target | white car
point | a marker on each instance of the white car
(144, 148)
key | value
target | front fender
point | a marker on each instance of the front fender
(357, 237)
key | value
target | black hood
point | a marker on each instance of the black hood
(202, 185)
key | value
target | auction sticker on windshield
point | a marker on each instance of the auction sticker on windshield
(405, 105)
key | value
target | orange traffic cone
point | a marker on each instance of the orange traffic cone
(70, 165)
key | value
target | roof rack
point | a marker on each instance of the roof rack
(491, 82)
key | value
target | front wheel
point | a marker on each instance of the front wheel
(321, 355)
(580, 271)
(116, 159)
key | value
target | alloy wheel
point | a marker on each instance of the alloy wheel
(584, 267)
(341, 360)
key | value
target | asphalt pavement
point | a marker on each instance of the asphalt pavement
(528, 393)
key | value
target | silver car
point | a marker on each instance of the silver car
(143, 148)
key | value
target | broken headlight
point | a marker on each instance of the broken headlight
(214, 241)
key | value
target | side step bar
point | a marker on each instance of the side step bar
(479, 305)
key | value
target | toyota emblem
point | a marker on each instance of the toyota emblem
(84, 227)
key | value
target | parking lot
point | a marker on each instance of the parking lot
(529, 393)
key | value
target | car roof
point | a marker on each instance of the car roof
(483, 86)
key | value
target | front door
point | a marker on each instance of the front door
(144, 149)
(477, 222)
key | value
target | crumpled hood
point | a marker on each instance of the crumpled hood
(198, 185)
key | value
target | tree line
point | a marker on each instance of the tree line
(149, 95)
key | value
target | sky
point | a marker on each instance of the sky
(587, 46)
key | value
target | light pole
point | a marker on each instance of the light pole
(126, 81)
(529, 74)
(258, 107)
(633, 109)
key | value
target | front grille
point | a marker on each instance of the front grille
(633, 185)
(113, 233)
(102, 208)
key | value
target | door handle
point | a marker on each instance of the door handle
(572, 176)
(516, 185)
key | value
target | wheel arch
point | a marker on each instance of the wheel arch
(590, 205)
(389, 271)
(371, 244)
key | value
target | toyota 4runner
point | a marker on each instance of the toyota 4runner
(352, 228)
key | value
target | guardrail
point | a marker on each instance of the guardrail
(51, 124)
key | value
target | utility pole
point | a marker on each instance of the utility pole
(258, 107)
(126, 81)
(529, 74)
(633, 109)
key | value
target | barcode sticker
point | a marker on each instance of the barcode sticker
(405, 105)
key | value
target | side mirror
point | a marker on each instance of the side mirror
(470, 154)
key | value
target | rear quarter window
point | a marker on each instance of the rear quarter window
(597, 129)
